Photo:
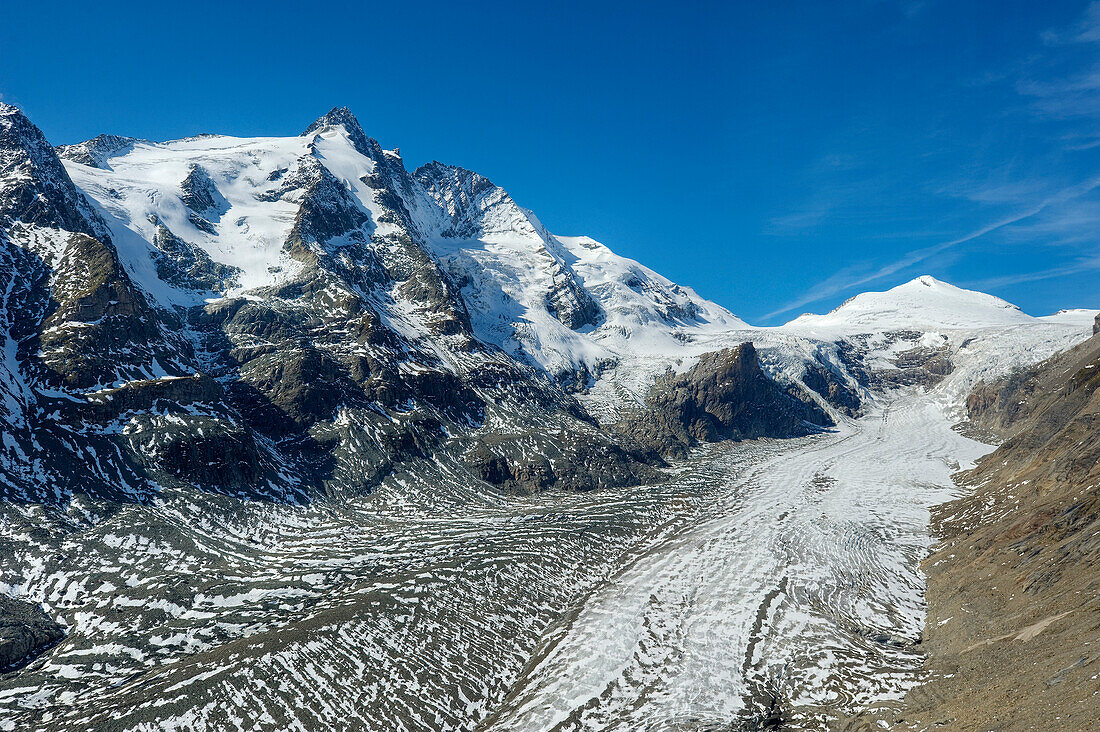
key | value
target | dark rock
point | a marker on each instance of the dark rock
(306, 385)
(916, 366)
(144, 396)
(832, 388)
(101, 322)
(201, 194)
(25, 632)
(213, 454)
(343, 117)
(574, 458)
(725, 396)
(570, 303)
(447, 392)
(202, 224)
(185, 265)
(327, 211)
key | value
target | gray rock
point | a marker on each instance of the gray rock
(725, 396)
(25, 632)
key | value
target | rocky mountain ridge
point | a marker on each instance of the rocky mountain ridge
(282, 388)
(271, 318)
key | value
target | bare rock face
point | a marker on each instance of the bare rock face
(832, 388)
(25, 632)
(725, 396)
(186, 265)
(918, 365)
(571, 459)
(100, 320)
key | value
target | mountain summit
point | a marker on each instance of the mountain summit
(921, 302)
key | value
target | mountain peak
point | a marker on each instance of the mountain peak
(34, 187)
(96, 151)
(342, 117)
(17, 129)
(438, 174)
(926, 281)
(923, 302)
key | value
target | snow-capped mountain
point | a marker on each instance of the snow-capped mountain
(923, 303)
(202, 335)
(565, 304)
(265, 304)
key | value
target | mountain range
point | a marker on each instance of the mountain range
(302, 322)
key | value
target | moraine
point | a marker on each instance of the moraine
(780, 566)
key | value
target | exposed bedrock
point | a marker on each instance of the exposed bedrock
(571, 459)
(833, 388)
(914, 363)
(26, 631)
(725, 396)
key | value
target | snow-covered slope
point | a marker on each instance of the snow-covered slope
(964, 336)
(1078, 317)
(570, 303)
(146, 187)
(924, 303)
(565, 304)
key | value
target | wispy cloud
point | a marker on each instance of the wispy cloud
(1090, 264)
(846, 279)
(849, 181)
(1045, 205)
(1075, 93)
(1085, 30)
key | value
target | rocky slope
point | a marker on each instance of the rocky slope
(1013, 629)
(724, 396)
(25, 632)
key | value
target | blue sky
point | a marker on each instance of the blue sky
(778, 157)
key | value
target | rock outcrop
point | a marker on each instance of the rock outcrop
(725, 396)
(26, 631)
(913, 363)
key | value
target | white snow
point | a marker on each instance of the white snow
(1080, 317)
(146, 179)
(923, 303)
